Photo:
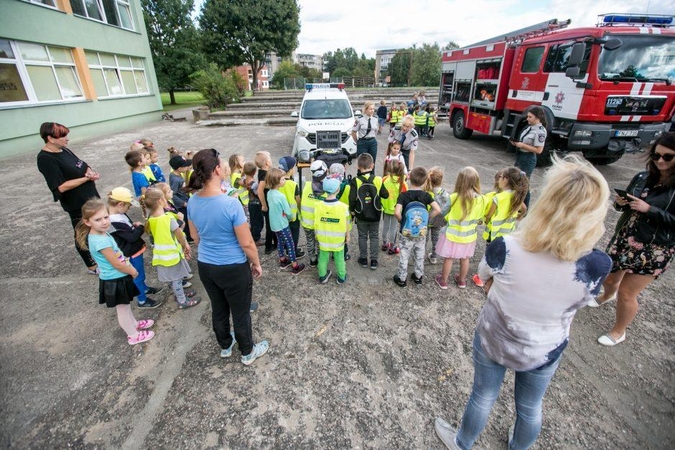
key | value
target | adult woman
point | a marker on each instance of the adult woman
(408, 138)
(539, 277)
(365, 130)
(643, 244)
(228, 259)
(530, 143)
(70, 179)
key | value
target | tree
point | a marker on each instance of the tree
(426, 68)
(174, 42)
(400, 68)
(450, 46)
(245, 31)
(286, 69)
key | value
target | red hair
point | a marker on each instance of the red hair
(53, 129)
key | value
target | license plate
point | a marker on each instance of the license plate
(626, 133)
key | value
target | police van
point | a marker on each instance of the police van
(324, 124)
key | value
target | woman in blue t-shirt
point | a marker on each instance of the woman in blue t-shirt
(228, 258)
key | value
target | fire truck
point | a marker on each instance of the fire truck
(605, 90)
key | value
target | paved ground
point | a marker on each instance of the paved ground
(365, 365)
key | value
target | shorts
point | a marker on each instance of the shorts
(118, 291)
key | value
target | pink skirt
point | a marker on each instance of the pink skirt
(454, 250)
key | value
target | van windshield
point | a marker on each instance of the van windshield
(644, 57)
(326, 109)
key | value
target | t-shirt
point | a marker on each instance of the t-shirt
(215, 218)
(98, 242)
(413, 195)
(382, 112)
(157, 172)
(139, 181)
(533, 300)
(280, 210)
(57, 168)
(176, 183)
(262, 174)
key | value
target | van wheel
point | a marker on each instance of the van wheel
(459, 126)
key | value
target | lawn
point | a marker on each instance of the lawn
(183, 100)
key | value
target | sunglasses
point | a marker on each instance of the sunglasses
(667, 158)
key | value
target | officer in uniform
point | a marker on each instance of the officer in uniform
(365, 130)
(408, 138)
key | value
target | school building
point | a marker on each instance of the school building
(83, 63)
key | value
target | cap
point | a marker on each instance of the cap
(331, 185)
(337, 170)
(286, 163)
(178, 161)
(122, 194)
(318, 168)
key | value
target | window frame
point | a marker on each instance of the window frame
(554, 53)
(541, 58)
(118, 68)
(39, 3)
(104, 17)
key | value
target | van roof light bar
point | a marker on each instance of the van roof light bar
(635, 20)
(310, 86)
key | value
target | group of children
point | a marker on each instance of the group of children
(425, 115)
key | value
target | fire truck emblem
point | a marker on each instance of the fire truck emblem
(559, 97)
(526, 83)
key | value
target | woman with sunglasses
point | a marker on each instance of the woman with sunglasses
(643, 244)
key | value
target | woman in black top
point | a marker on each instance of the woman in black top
(70, 179)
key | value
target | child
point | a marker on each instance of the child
(393, 116)
(179, 166)
(394, 183)
(280, 214)
(291, 191)
(420, 116)
(432, 119)
(312, 193)
(128, 237)
(504, 207)
(337, 171)
(412, 212)
(442, 197)
(256, 217)
(170, 248)
(263, 161)
(154, 167)
(467, 207)
(136, 162)
(236, 163)
(402, 112)
(381, 116)
(116, 286)
(394, 154)
(365, 194)
(331, 225)
(147, 143)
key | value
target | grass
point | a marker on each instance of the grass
(183, 100)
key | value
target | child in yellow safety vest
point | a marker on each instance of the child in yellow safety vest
(393, 116)
(331, 227)
(394, 182)
(291, 191)
(337, 171)
(467, 208)
(312, 193)
(432, 119)
(236, 163)
(170, 249)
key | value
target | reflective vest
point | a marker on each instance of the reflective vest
(401, 115)
(392, 186)
(307, 203)
(344, 198)
(463, 231)
(167, 251)
(488, 225)
(330, 225)
(288, 189)
(502, 222)
(432, 120)
(393, 117)
(420, 118)
(243, 192)
(147, 171)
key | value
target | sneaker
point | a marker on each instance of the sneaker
(477, 281)
(313, 262)
(417, 280)
(341, 280)
(363, 262)
(189, 293)
(385, 246)
(348, 256)
(373, 264)
(253, 307)
(186, 284)
(258, 350)
(299, 253)
(227, 352)
(297, 269)
(393, 250)
(402, 283)
(446, 433)
(142, 336)
(95, 271)
(189, 277)
(324, 279)
(194, 301)
(284, 262)
(150, 303)
(460, 283)
(152, 290)
(432, 258)
(144, 324)
(439, 281)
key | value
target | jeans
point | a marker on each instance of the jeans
(529, 392)
(368, 230)
(257, 219)
(416, 247)
(338, 258)
(389, 228)
(310, 237)
(139, 281)
(230, 289)
(526, 162)
(367, 146)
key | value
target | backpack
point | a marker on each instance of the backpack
(415, 220)
(443, 200)
(369, 203)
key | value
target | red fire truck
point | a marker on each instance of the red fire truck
(605, 90)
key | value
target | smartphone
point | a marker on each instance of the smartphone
(621, 193)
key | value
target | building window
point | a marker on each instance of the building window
(113, 12)
(117, 75)
(264, 73)
(35, 73)
(51, 3)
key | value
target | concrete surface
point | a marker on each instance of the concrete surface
(364, 365)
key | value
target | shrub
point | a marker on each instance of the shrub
(218, 89)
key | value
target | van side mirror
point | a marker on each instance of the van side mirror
(294, 114)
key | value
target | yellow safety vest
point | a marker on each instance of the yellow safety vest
(432, 120)
(401, 115)
(147, 171)
(167, 251)
(288, 189)
(344, 198)
(503, 223)
(330, 225)
(393, 116)
(392, 186)
(463, 231)
(307, 203)
(243, 192)
(487, 232)
(420, 118)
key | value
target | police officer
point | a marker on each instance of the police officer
(408, 138)
(365, 130)
(530, 143)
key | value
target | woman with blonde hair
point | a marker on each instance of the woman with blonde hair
(536, 279)
(364, 131)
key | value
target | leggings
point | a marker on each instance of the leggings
(285, 244)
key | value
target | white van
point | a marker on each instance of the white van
(325, 123)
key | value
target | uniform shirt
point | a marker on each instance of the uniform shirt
(361, 127)
(534, 135)
(408, 140)
(57, 168)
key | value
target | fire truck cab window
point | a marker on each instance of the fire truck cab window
(559, 55)
(532, 60)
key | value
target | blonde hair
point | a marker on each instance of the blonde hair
(136, 146)
(260, 158)
(568, 217)
(273, 178)
(436, 176)
(164, 187)
(91, 207)
(233, 162)
(467, 186)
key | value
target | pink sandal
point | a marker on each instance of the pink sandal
(144, 324)
(142, 336)
(194, 301)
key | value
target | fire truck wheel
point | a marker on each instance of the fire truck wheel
(459, 126)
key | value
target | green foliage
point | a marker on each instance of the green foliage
(450, 46)
(399, 68)
(218, 89)
(426, 69)
(346, 63)
(286, 69)
(309, 73)
(174, 42)
(341, 72)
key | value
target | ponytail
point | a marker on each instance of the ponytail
(204, 163)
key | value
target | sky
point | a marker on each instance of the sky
(369, 25)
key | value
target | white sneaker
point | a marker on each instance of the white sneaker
(259, 349)
(594, 303)
(446, 433)
(432, 259)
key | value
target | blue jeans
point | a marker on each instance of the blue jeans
(529, 392)
(526, 162)
(139, 281)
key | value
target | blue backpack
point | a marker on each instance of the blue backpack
(415, 220)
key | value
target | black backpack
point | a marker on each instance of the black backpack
(369, 203)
